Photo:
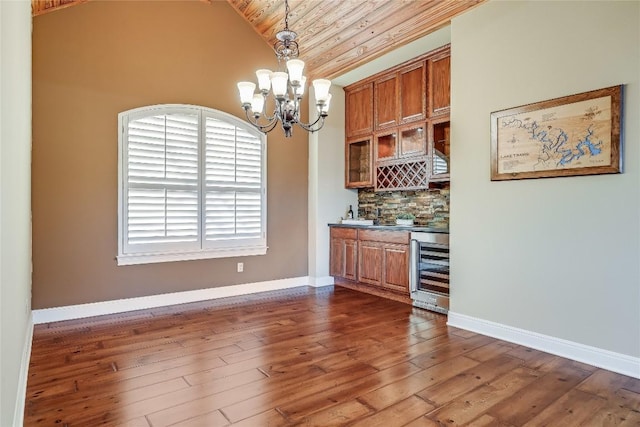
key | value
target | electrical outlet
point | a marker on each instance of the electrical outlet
(240, 267)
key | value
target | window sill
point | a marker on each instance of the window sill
(151, 258)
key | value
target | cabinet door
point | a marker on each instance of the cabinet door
(386, 145)
(396, 268)
(359, 163)
(386, 102)
(413, 93)
(439, 150)
(350, 259)
(439, 83)
(370, 263)
(413, 140)
(336, 258)
(359, 110)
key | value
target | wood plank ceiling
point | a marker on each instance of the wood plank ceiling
(336, 36)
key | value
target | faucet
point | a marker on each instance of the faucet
(377, 218)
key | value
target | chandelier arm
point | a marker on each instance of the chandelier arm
(268, 127)
(309, 126)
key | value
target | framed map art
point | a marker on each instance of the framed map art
(574, 135)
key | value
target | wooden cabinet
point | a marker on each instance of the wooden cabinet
(439, 149)
(395, 275)
(400, 97)
(406, 139)
(343, 257)
(412, 88)
(359, 110)
(440, 83)
(402, 142)
(413, 140)
(370, 262)
(359, 163)
(375, 261)
(385, 107)
(383, 259)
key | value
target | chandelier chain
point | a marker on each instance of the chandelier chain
(286, 14)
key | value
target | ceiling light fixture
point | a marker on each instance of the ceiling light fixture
(287, 87)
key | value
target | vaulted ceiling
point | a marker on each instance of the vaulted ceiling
(335, 36)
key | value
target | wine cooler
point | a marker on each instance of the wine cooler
(429, 271)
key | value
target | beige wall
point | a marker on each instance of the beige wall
(91, 62)
(15, 207)
(556, 256)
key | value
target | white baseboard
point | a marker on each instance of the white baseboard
(80, 311)
(611, 361)
(18, 415)
(318, 282)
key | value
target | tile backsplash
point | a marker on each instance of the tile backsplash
(430, 207)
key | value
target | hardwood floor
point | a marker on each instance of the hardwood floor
(310, 358)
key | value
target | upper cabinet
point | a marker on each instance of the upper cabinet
(385, 105)
(412, 86)
(400, 96)
(439, 149)
(359, 110)
(397, 125)
(439, 83)
(359, 162)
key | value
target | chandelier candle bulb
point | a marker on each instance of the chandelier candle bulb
(295, 67)
(279, 83)
(321, 88)
(299, 90)
(246, 92)
(324, 108)
(264, 80)
(257, 104)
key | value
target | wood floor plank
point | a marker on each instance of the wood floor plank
(270, 418)
(298, 408)
(423, 422)
(605, 383)
(468, 380)
(136, 422)
(336, 415)
(533, 399)
(296, 390)
(573, 409)
(399, 414)
(214, 418)
(472, 405)
(306, 356)
(404, 388)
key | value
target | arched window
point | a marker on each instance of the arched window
(191, 185)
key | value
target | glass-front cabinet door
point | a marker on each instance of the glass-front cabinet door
(386, 146)
(440, 150)
(359, 167)
(413, 140)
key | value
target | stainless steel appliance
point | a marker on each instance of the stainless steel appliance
(429, 270)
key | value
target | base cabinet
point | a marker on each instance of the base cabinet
(370, 263)
(396, 268)
(343, 258)
(375, 261)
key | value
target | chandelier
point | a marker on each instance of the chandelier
(287, 87)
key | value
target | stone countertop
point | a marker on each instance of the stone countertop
(393, 227)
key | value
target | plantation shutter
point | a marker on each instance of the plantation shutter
(234, 185)
(162, 182)
(192, 185)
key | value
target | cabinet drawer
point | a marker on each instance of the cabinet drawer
(401, 237)
(344, 233)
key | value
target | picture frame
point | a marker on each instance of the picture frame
(573, 135)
